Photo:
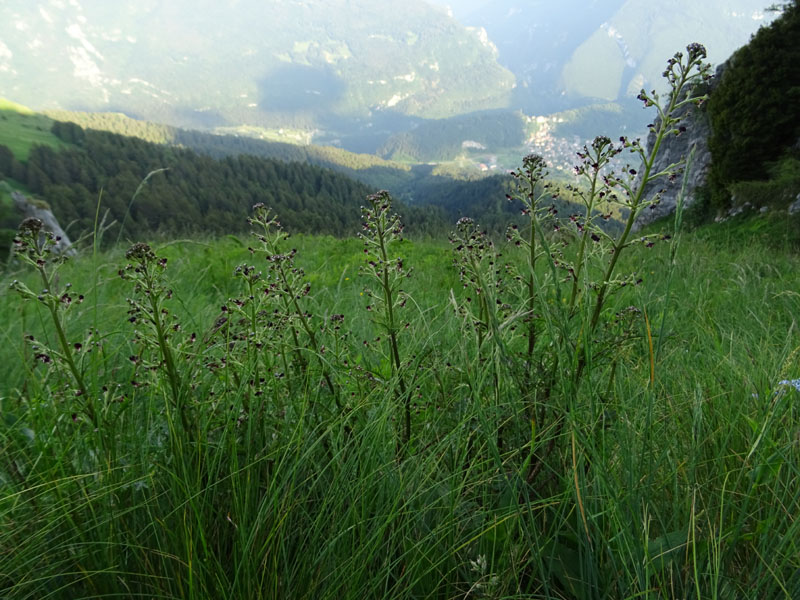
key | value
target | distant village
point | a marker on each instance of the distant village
(558, 151)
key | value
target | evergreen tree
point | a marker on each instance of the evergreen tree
(753, 110)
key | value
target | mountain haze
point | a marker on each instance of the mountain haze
(574, 52)
(477, 84)
(304, 64)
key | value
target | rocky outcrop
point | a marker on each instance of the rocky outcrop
(39, 210)
(794, 207)
(675, 148)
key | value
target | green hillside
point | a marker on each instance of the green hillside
(367, 168)
(185, 191)
(8, 105)
(21, 129)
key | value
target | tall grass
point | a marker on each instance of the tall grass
(695, 499)
(294, 427)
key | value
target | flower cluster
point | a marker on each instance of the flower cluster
(155, 326)
(382, 229)
(37, 247)
(481, 275)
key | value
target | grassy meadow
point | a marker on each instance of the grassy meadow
(280, 468)
(572, 412)
(22, 129)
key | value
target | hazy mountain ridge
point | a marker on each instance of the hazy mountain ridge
(361, 75)
(238, 62)
(578, 52)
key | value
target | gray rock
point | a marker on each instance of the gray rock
(675, 148)
(39, 210)
(794, 207)
(737, 210)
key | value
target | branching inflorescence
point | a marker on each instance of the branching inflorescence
(36, 246)
(381, 229)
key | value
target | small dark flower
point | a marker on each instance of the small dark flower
(31, 225)
(696, 51)
(140, 252)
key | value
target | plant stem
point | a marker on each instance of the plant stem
(667, 120)
(66, 350)
(391, 329)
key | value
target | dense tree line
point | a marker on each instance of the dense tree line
(753, 110)
(201, 194)
(113, 123)
(367, 168)
(195, 194)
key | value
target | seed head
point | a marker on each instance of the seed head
(140, 252)
(696, 51)
(533, 163)
(32, 225)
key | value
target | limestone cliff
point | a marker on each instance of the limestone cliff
(40, 210)
(673, 149)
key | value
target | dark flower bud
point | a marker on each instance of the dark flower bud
(32, 225)
(696, 51)
(140, 252)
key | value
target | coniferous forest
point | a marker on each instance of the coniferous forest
(188, 193)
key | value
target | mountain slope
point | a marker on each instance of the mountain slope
(575, 52)
(308, 63)
(367, 168)
(185, 192)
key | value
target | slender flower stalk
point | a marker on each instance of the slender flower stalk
(36, 247)
(594, 159)
(683, 77)
(286, 284)
(145, 270)
(531, 192)
(381, 229)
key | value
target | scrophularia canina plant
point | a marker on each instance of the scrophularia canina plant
(36, 246)
(382, 228)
